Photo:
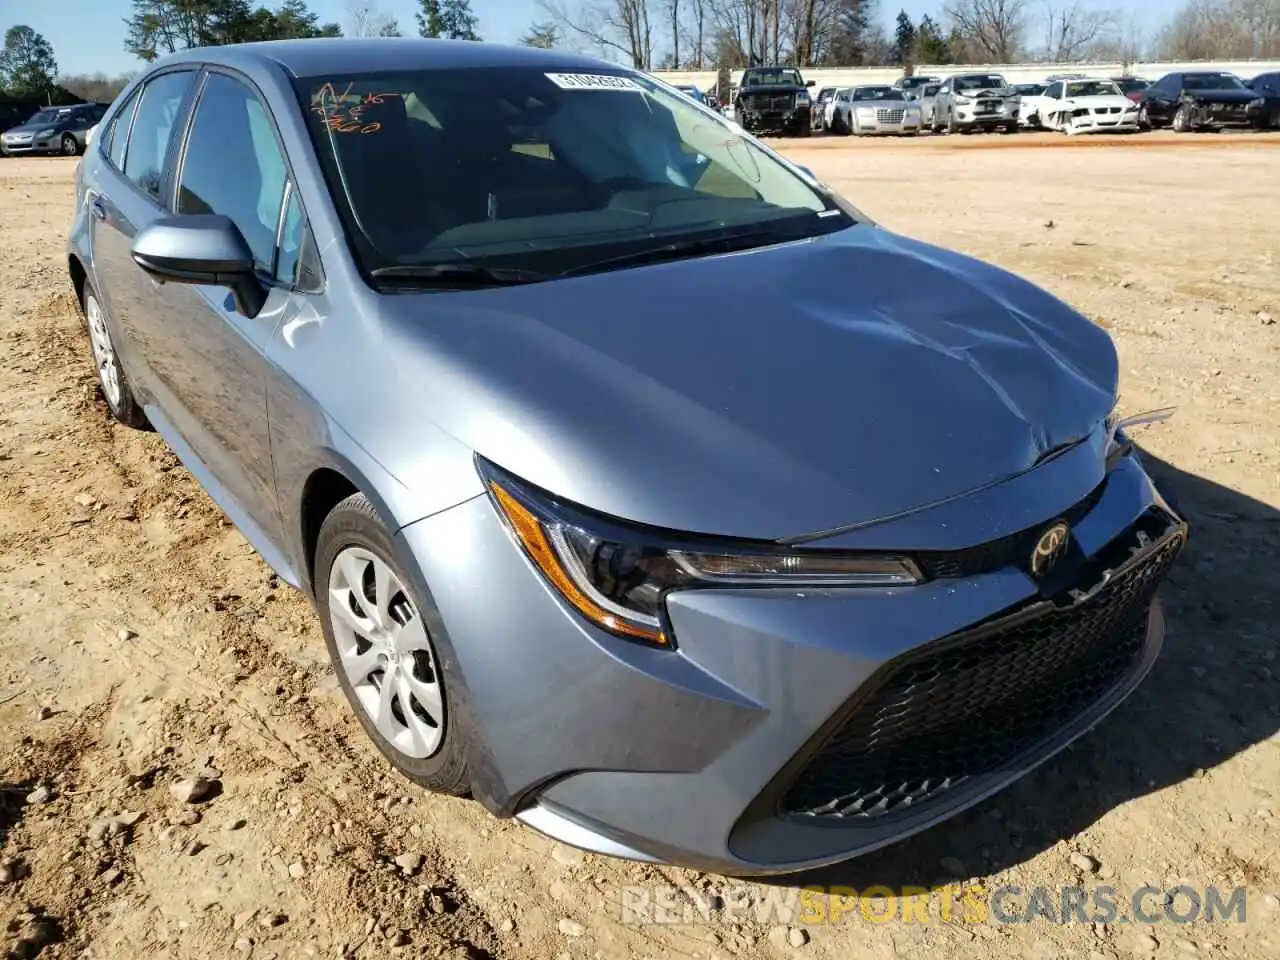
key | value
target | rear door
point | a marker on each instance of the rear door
(129, 179)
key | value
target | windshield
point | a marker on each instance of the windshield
(991, 81)
(1211, 81)
(911, 83)
(515, 167)
(1092, 88)
(45, 116)
(1030, 89)
(1132, 84)
(757, 77)
(876, 93)
(930, 90)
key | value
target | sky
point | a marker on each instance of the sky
(88, 35)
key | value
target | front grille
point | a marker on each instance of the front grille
(1011, 551)
(771, 103)
(974, 703)
(890, 116)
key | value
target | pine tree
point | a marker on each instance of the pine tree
(905, 39)
(542, 35)
(429, 22)
(457, 20)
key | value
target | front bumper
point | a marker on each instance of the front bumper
(696, 756)
(1093, 121)
(793, 119)
(51, 144)
(971, 116)
(881, 126)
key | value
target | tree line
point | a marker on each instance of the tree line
(706, 34)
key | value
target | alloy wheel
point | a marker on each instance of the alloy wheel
(385, 653)
(69, 146)
(104, 354)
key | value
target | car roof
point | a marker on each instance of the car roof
(342, 55)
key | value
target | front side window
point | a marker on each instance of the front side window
(518, 167)
(1055, 91)
(233, 165)
(1212, 81)
(149, 137)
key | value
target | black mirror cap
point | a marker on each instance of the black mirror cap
(808, 83)
(204, 249)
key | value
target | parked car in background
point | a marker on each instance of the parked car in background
(1131, 87)
(876, 110)
(819, 109)
(927, 96)
(54, 130)
(975, 101)
(1085, 106)
(1028, 93)
(693, 93)
(1267, 86)
(911, 86)
(774, 100)
(882, 551)
(1202, 100)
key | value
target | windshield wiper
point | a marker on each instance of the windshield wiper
(684, 250)
(456, 275)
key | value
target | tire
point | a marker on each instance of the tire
(952, 126)
(1144, 118)
(113, 383)
(1010, 128)
(353, 538)
(805, 130)
(1182, 119)
(70, 146)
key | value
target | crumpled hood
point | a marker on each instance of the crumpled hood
(1102, 100)
(764, 394)
(1222, 96)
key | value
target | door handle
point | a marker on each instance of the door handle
(98, 208)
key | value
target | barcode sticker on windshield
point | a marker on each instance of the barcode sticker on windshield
(591, 81)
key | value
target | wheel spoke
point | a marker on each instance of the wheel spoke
(359, 665)
(382, 593)
(427, 695)
(353, 571)
(421, 733)
(340, 607)
(384, 718)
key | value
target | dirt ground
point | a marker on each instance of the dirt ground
(142, 642)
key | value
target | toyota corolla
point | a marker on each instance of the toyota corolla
(646, 490)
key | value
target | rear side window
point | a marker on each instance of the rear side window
(231, 132)
(119, 135)
(149, 138)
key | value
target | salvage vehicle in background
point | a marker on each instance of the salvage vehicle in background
(1086, 106)
(1028, 95)
(1202, 100)
(412, 364)
(1267, 86)
(774, 100)
(1132, 87)
(975, 101)
(819, 109)
(53, 130)
(877, 110)
(911, 86)
(927, 96)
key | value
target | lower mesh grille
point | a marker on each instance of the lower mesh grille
(970, 704)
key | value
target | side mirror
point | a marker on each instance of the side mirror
(204, 249)
(806, 171)
(808, 83)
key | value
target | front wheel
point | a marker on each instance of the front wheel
(1182, 119)
(1144, 118)
(70, 146)
(382, 651)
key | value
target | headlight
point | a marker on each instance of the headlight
(802, 98)
(1258, 102)
(618, 576)
(45, 133)
(962, 101)
(1117, 441)
(867, 112)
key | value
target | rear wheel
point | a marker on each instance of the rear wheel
(70, 146)
(1011, 127)
(1182, 119)
(952, 126)
(111, 376)
(386, 662)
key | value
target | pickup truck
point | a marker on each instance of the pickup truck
(774, 100)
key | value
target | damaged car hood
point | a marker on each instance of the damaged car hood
(763, 394)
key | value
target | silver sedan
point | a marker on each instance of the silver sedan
(876, 110)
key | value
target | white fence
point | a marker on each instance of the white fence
(1013, 72)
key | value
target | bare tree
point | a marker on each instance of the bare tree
(699, 8)
(995, 29)
(364, 19)
(610, 26)
(1222, 29)
(673, 13)
(1074, 30)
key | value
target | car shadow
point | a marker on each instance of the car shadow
(1210, 695)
